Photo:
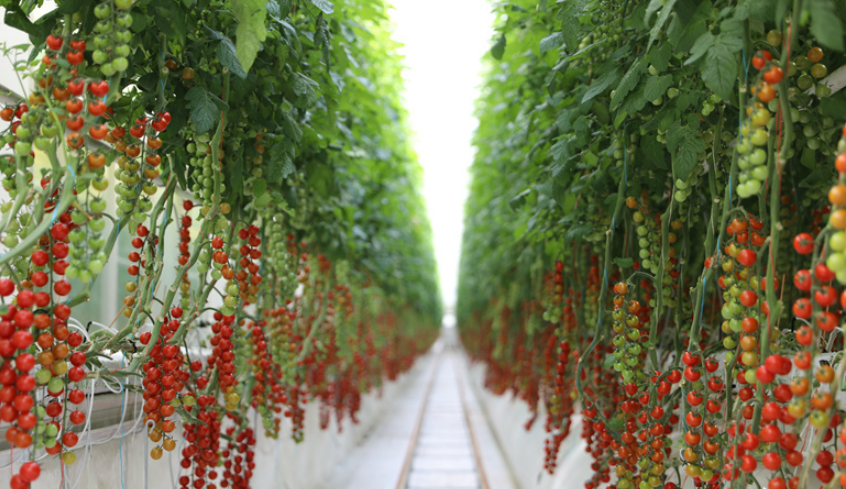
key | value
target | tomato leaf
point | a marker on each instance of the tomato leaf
(656, 86)
(752, 8)
(601, 84)
(498, 49)
(226, 53)
(228, 58)
(280, 165)
(818, 177)
(666, 10)
(325, 6)
(170, 19)
(719, 71)
(251, 31)
(571, 26)
(624, 262)
(825, 25)
(660, 56)
(684, 144)
(809, 158)
(701, 47)
(552, 41)
(203, 110)
(835, 105)
(628, 83)
(654, 6)
(304, 88)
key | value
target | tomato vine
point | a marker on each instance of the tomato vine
(650, 175)
(250, 162)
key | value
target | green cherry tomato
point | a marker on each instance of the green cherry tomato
(819, 70)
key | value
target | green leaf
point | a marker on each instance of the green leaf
(520, 199)
(552, 41)
(19, 20)
(700, 48)
(498, 48)
(251, 31)
(659, 57)
(635, 102)
(834, 106)
(304, 88)
(320, 178)
(753, 8)
(817, 178)
(325, 6)
(273, 9)
(685, 144)
(577, 232)
(70, 6)
(825, 24)
(290, 127)
(561, 150)
(139, 23)
(621, 117)
(571, 26)
(280, 166)
(203, 110)
(263, 200)
(809, 158)
(581, 53)
(628, 83)
(170, 19)
(653, 7)
(228, 58)
(259, 187)
(720, 71)
(601, 84)
(656, 86)
(654, 154)
(659, 23)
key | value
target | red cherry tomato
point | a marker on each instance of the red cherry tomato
(803, 243)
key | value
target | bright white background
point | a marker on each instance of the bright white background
(444, 44)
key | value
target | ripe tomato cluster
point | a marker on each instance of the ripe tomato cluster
(678, 258)
(288, 323)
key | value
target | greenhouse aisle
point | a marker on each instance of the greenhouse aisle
(425, 440)
(444, 455)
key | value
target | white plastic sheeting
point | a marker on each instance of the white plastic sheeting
(523, 450)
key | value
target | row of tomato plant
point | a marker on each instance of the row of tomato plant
(268, 137)
(655, 236)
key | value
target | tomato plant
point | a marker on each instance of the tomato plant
(649, 177)
(267, 136)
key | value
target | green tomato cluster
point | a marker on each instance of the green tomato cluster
(201, 170)
(113, 36)
(627, 343)
(752, 151)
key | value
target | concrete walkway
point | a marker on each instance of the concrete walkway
(444, 456)
(377, 462)
(424, 440)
